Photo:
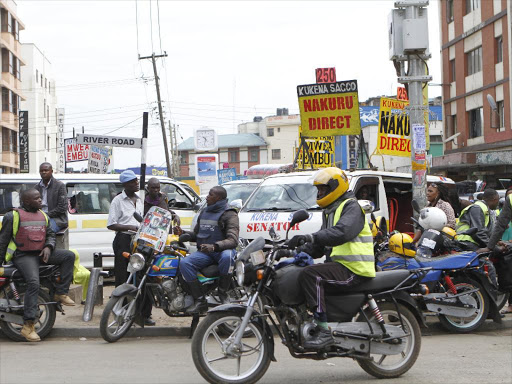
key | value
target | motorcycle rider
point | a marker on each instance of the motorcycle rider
(216, 236)
(27, 237)
(478, 215)
(345, 238)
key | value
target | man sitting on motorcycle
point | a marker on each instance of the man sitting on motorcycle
(27, 238)
(346, 240)
(216, 236)
(478, 215)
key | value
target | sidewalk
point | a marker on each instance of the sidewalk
(72, 325)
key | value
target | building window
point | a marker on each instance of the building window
(451, 125)
(15, 103)
(6, 100)
(6, 21)
(45, 83)
(476, 119)
(474, 59)
(279, 129)
(233, 156)
(254, 154)
(500, 109)
(276, 154)
(452, 72)
(471, 5)
(5, 139)
(14, 142)
(47, 113)
(499, 49)
(270, 132)
(449, 11)
(183, 158)
(5, 60)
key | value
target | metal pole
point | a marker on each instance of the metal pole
(143, 154)
(91, 293)
(172, 151)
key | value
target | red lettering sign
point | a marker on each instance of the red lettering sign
(325, 75)
(401, 94)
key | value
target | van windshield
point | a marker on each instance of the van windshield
(239, 191)
(282, 197)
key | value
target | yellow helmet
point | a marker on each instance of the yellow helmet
(337, 182)
(450, 232)
(402, 244)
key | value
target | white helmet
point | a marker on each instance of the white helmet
(432, 218)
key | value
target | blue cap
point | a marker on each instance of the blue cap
(127, 176)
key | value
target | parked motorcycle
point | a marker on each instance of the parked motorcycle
(154, 275)
(384, 339)
(12, 292)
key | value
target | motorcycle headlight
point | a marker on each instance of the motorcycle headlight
(137, 261)
(240, 272)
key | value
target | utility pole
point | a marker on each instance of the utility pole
(172, 151)
(153, 57)
(409, 43)
(175, 155)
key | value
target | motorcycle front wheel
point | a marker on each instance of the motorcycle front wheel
(116, 319)
(478, 299)
(218, 360)
(390, 366)
(44, 323)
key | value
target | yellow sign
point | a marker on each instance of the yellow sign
(394, 128)
(321, 150)
(330, 109)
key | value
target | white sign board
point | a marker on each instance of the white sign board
(76, 152)
(98, 159)
(61, 164)
(206, 171)
(109, 141)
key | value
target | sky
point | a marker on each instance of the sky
(227, 61)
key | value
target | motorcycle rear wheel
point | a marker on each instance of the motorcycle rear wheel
(379, 367)
(44, 324)
(224, 367)
(463, 324)
(502, 299)
(113, 328)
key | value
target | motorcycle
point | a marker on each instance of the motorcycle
(461, 289)
(12, 292)
(384, 339)
(154, 275)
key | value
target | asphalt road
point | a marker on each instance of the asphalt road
(475, 358)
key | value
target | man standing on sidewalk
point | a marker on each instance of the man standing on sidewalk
(54, 197)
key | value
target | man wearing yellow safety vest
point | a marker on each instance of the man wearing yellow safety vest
(478, 215)
(345, 239)
(26, 237)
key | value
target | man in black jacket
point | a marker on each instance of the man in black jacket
(54, 197)
(33, 243)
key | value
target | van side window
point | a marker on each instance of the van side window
(91, 198)
(177, 198)
(399, 197)
(367, 188)
(10, 196)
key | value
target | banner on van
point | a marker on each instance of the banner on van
(321, 150)
(23, 137)
(76, 152)
(330, 109)
(394, 128)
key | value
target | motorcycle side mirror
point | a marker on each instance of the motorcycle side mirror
(299, 217)
(415, 206)
(137, 217)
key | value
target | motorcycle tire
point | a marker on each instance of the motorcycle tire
(451, 323)
(390, 314)
(207, 338)
(118, 304)
(44, 325)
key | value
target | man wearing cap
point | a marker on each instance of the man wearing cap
(121, 220)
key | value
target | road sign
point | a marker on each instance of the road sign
(325, 75)
(225, 175)
(76, 152)
(98, 159)
(109, 141)
(394, 136)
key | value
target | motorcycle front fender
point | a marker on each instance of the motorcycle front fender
(124, 289)
(240, 309)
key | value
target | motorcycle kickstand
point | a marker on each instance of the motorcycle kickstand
(193, 326)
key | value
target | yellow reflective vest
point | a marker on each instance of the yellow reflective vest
(462, 226)
(356, 254)
(11, 248)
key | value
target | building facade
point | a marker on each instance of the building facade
(240, 151)
(476, 68)
(41, 107)
(11, 84)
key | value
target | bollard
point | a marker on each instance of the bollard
(91, 293)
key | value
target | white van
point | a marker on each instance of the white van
(89, 197)
(278, 196)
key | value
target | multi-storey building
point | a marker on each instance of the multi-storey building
(12, 61)
(41, 110)
(476, 68)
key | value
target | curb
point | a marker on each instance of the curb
(434, 329)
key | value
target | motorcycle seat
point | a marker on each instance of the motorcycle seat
(210, 271)
(382, 281)
(453, 261)
(9, 270)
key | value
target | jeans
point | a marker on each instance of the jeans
(28, 265)
(190, 265)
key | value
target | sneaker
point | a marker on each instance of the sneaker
(148, 321)
(64, 300)
(322, 338)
